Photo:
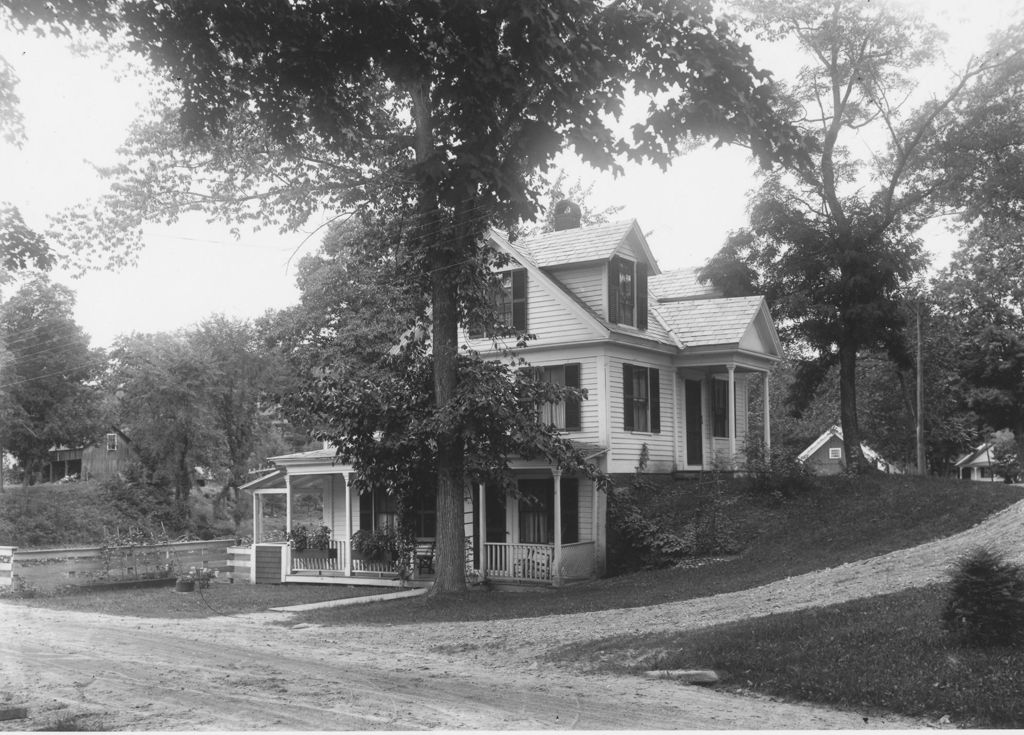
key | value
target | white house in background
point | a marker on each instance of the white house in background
(977, 465)
(665, 361)
(826, 455)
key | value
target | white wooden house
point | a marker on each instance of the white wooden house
(978, 465)
(665, 361)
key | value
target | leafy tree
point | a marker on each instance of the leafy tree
(982, 292)
(161, 383)
(435, 117)
(832, 243)
(47, 387)
(1006, 455)
(238, 375)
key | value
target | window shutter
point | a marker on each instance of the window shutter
(613, 289)
(655, 402)
(641, 296)
(366, 511)
(519, 299)
(627, 397)
(573, 409)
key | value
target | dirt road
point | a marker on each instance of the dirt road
(247, 673)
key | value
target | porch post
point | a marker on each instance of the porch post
(732, 415)
(347, 542)
(767, 416)
(481, 530)
(286, 551)
(557, 562)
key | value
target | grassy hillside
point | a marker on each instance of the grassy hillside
(83, 513)
(837, 521)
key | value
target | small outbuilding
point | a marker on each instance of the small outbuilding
(827, 456)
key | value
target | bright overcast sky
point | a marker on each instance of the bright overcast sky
(77, 110)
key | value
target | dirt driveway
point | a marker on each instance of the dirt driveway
(246, 673)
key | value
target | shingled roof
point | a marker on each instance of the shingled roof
(681, 284)
(577, 245)
(706, 322)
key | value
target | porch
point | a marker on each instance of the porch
(547, 539)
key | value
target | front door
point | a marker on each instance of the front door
(692, 392)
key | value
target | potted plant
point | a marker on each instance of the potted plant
(380, 544)
(185, 582)
(311, 543)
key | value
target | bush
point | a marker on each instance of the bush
(986, 604)
(776, 471)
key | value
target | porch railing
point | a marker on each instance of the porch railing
(577, 560)
(332, 559)
(529, 562)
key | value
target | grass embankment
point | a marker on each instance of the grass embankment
(840, 521)
(49, 516)
(885, 653)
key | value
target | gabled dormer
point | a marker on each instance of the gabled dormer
(604, 267)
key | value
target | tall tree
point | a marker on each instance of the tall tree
(438, 113)
(982, 292)
(48, 379)
(832, 243)
(161, 385)
(238, 375)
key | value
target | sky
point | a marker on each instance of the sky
(77, 110)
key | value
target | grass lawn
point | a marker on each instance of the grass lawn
(217, 599)
(884, 653)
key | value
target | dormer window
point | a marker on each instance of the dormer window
(627, 293)
(509, 303)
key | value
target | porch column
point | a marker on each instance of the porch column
(732, 415)
(347, 541)
(557, 562)
(481, 530)
(767, 416)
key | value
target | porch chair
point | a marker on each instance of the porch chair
(424, 557)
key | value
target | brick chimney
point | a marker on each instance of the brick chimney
(567, 215)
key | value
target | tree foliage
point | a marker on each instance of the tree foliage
(982, 292)
(48, 393)
(435, 117)
(832, 243)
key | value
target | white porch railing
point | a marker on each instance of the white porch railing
(529, 562)
(576, 560)
(332, 559)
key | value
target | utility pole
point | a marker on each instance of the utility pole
(921, 468)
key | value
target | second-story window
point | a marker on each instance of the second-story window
(565, 415)
(627, 293)
(509, 303)
(111, 442)
(641, 392)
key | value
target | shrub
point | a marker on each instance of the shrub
(776, 471)
(986, 603)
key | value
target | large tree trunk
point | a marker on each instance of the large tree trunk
(848, 408)
(450, 563)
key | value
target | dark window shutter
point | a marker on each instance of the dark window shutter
(627, 397)
(573, 409)
(641, 296)
(655, 402)
(519, 299)
(569, 489)
(613, 289)
(366, 511)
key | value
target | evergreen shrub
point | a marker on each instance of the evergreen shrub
(986, 600)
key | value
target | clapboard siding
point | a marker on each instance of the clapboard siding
(588, 283)
(586, 510)
(626, 445)
(267, 560)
